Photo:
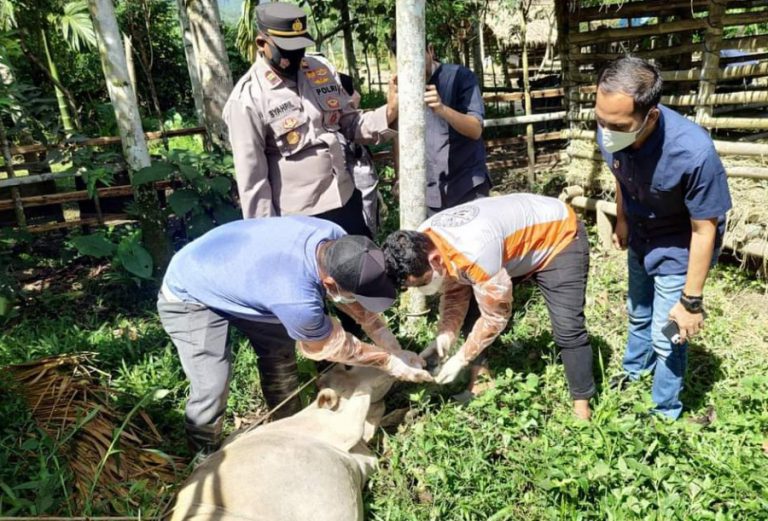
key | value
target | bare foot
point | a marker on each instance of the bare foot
(581, 409)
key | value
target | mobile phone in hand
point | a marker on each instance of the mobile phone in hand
(672, 332)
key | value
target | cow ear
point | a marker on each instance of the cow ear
(328, 399)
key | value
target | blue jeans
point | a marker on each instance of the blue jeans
(649, 302)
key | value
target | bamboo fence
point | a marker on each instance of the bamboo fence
(725, 93)
(21, 204)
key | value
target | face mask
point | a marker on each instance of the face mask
(614, 141)
(434, 285)
(286, 62)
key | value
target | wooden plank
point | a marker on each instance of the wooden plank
(80, 195)
(103, 141)
(35, 178)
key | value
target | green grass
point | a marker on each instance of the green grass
(514, 453)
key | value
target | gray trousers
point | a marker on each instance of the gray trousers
(200, 336)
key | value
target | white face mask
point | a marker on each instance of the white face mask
(614, 141)
(434, 285)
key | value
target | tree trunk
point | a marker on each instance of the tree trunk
(349, 47)
(18, 207)
(128, 43)
(367, 70)
(412, 124)
(528, 107)
(129, 125)
(378, 70)
(66, 117)
(189, 53)
(213, 65)
(478, 54)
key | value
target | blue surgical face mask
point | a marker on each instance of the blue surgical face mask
(614, 140)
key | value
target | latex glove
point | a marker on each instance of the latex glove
(398, 366)
(451, 369)
(441, 345)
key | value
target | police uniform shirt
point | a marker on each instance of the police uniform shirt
(675, 176)
(286, 139)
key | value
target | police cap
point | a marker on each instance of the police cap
(285, 23)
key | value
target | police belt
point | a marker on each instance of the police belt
(656, 226)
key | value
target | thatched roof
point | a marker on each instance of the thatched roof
(504, 20)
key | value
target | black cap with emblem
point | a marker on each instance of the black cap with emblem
(285, 23)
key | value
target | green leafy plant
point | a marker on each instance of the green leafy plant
(127, 252)
(202, 196)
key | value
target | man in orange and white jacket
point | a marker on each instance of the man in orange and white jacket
(482, 247)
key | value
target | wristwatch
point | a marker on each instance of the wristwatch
(692, 304)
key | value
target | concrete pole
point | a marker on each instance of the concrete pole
(411, 79)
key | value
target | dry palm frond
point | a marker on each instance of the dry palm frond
(106, 449)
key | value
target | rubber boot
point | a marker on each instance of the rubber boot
(204, 439)
(279, 379)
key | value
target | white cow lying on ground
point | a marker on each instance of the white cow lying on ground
(308, 467)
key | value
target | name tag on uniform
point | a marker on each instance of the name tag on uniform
(281, 108)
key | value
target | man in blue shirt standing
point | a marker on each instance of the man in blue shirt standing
(456, 167)
(270, 278)
(672, 196)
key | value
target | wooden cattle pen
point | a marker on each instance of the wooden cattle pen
(714, 60)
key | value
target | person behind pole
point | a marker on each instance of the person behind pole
(456, 162)
(287, 118)
(479, 248)
(360, 161)
(270, 279)
(672, 196)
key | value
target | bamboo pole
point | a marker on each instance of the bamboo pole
(520, 96)
(104, 141)
(754, 248)
(735, 123)
(710, 69)
(734, 72)
(630, 10)
(21, 219)
(742, 43)
(527, 91)
(42, 228)
(524, 120)
(726, 148)
(79, 195)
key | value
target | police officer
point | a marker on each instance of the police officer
(287, 119)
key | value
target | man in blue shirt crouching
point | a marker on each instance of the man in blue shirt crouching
(672, 196)
(269, 278)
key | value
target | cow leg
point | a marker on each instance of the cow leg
(277, 364)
